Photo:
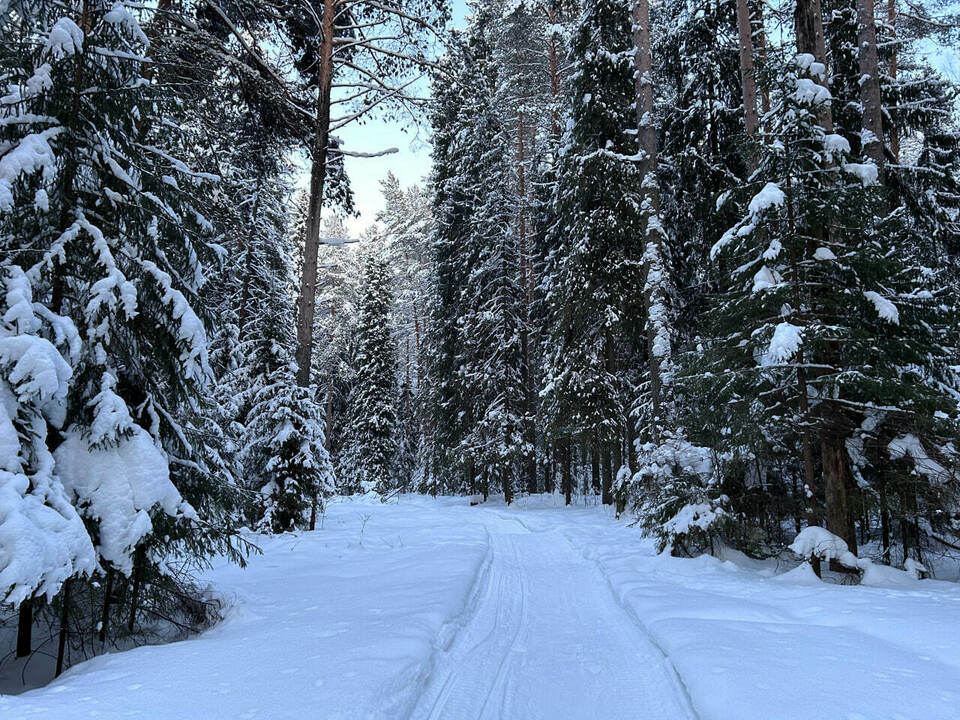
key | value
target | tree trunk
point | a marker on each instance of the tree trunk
(606, 488)
(105, 612)
(25, 628)
(748, 77)
(892, 22)
(566, 460)
(554, 72)
(870, 83)
(138, 560)
(808, 27)
(594, 465)
(654, 271)
(64, 626)
(760, 42)
(306, 301)
(836, 481)
(884, 522)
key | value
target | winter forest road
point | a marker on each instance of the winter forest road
(545, 638)
(429, 609)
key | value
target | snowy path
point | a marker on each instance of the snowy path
(430, 609)
(548, 640)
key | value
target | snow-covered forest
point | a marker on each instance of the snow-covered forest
(645, 403)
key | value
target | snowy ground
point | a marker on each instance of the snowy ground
(433, 609)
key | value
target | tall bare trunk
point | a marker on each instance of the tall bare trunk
(654, 271)
(760, 43)
(311, 242)
(554, 71)
(64, 627)
(870, 82)
(892, 21)
(808, 27)
(747, 76)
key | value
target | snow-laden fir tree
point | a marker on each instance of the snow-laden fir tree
(832, 319)
(594, 266)
(367, 459)
(285, 447)
(492, 321)
(453, 183)
(43, 542)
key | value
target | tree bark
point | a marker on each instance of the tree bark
(747, 76)
(554, 72)
(25, 628)
(606, 487)
(892, 22)
(760, 35)
(808, 27)
(836, 480)
(138, 560)
(870, 83)
(595, 464)
(105, 613)
(64, 626)
(565, 460)
(654, 271)
(307, 298)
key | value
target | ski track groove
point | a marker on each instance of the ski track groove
(582, 655)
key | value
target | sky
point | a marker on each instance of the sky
(411, 162)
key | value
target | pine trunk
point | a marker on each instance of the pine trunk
(25, 628)
(808, 27)
(747, 76)
(105, 612)
(870, 82)
(606, 487)
(306, 302)
(566, 459)
(892, 22)
(760, 42)
(654, 271)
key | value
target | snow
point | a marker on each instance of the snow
(119, 486)
(809, 92)
(32, 153)
(429, 608)
(769, 196)
(121, 17)
(836, 144)
(814, 541)
(885, 309)
(694, 515)
(909, 445)
(764, 279)
(866, 173)
(65, 39)
(784, 344)
(824, 254)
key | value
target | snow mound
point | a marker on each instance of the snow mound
(819, 542)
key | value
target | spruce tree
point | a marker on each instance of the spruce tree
(372, 433)
(595, 257)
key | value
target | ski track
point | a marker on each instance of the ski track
(547, 639)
